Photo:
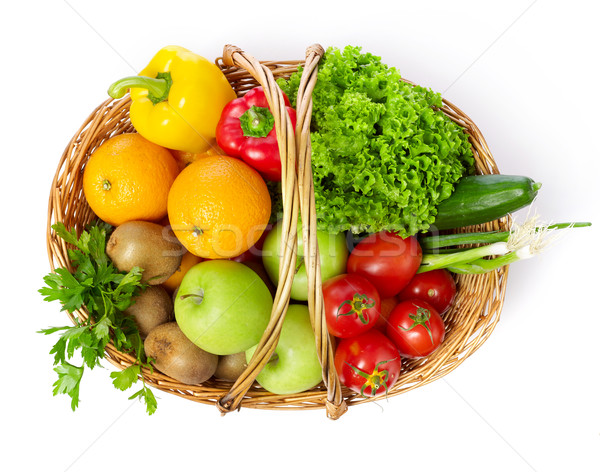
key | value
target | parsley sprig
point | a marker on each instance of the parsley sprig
(98, 286)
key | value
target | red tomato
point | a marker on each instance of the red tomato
(352, 305)
(416, 328)
(368, 363)
(387, 305)
(386, 260)
(436, 287)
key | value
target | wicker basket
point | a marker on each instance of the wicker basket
(468, 324)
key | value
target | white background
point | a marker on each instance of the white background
(526, 72)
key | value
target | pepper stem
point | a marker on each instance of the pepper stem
(158, 88)
(257, 122)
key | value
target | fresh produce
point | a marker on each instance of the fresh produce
(448, 260)
(231, 366)
(387, 305)
(128, 178)
(246, 130)
(176, 356)
(218, 207)
(106, 293)
(276, 201)
(437, 243)
(254, 253)
(383, 155)
(416, 328)
(177, 99)
(437, 288)
(184, 158)
(368, 363)
(149, 246)
(387, 260)
(150, 309)
(294, 366)
(333, 254)
(352, 305)
(259, 268)
(223, 306)
(387, 164)
(521, 242)
(188, 260)
(481, 198)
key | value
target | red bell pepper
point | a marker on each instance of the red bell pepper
(246, 130)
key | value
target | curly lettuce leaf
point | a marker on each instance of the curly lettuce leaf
(383, 155)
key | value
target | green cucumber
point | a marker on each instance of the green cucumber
(481, 198)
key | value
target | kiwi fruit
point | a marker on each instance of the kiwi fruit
(176, 356)
(231, 366)
(150, 246)
(152, 308)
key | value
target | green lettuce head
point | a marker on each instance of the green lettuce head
(383, 154)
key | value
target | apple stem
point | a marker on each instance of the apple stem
(200, 296)
(274, 359)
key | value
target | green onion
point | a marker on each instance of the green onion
(482, 266)
(521, 242)
(430, 243)
(440, 261)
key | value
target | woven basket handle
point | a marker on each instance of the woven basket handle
(336, 406)
(297, 193)
(233, 56)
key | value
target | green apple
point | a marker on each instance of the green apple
(294, 367)
(333, 252)
(223, 306)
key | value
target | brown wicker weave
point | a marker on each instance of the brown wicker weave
(468, 324)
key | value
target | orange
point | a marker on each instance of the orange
(184, 158)
(187, 262)
(218, 207)
(128, 178)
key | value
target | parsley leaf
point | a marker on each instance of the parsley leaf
(126, 378)
(146, 395)
(69, 378)
(69, 237)
(106, 293)
(63, 286)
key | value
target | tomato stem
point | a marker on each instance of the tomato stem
(358, 306)
(420, 319)
(375, 380)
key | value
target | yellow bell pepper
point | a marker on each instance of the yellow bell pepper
(177, 99)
